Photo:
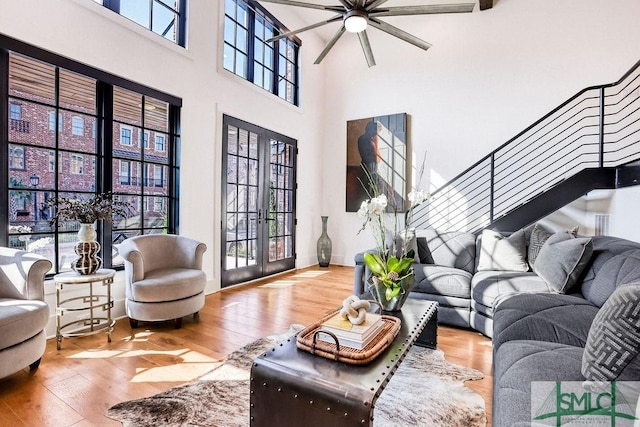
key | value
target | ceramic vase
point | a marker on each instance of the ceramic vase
(378, 291)
(324, 245)
(87, 249)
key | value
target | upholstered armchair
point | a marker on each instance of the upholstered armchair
(164, 277)
(23, 312)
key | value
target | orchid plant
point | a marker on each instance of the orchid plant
(388, 265)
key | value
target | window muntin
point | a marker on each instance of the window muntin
(61, 163)
(163, 17)
(247, 26)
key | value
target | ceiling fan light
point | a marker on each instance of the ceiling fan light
(355, 23)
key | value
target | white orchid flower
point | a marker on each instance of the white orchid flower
(363, 212)
(378, 204)
(417, 196)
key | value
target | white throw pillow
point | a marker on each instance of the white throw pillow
(502, 253)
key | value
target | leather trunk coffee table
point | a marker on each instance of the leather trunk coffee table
(291, 387)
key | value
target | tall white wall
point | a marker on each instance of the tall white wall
(488, 76)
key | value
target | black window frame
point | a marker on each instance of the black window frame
(103, 158)
(114, 6)
(255, 10)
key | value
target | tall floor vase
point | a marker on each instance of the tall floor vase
(324, 245)
(87, 249)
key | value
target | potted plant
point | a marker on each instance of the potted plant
(392, 276)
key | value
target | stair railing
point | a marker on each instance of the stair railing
(597, 127)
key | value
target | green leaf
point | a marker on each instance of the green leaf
(375, 263)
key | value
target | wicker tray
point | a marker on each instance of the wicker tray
(307, 341)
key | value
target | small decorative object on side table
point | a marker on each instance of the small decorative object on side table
(87, 212)
(94, 301)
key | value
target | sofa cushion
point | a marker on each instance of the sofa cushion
(613, 345)
(562, 259)
(21, 319)
(604, 248)
(441, 280)
(503, 253)
(489, 288)
(616, 271)
(559, 318)
(168, 285)
(517, 365)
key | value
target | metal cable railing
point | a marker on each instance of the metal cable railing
(597, 127)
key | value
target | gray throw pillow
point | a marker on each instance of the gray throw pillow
(539, 236)
(424, 253)
(501, 253)
(562, 259)
(613, 344)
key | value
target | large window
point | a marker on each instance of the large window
(272, 66)
(51, 160)
(164, 17)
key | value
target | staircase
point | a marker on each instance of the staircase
(589, 142)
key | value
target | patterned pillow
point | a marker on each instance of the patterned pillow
(539, 236)
(613, 345)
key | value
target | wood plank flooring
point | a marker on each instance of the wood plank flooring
(74, 386)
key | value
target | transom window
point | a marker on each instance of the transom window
(272, 66)
(164, 17)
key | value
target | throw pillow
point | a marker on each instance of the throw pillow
(613, 344)
(562, 259)
(424, 253)
(502, 253)
(539, 236)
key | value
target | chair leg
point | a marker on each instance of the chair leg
(35, 365)
(178, 323)
(133, 323)
(196, 315)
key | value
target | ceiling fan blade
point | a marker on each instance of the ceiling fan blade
(397, 32)
(348, 4)
(366, 48)
(372, 4)
(308, 5)
(308, 27)
(329, 45)
(423, 10)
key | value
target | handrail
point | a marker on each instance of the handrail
(598, 126)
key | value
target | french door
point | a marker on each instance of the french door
(258, 202)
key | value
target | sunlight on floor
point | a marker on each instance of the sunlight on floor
(187, 365)
(311, 273)
(280, 284)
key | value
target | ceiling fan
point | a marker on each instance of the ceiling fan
(357, 15)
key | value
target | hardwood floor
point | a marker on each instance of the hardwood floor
(74, 386)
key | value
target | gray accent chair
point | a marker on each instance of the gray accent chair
(164, 277)
(23, 312)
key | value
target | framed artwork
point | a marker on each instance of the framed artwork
(377, 155)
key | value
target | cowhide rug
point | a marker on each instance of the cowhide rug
(425, 391)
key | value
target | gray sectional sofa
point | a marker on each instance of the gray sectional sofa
(590, 334)
(464, 278)
(573, 316)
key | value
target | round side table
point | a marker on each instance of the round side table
(96, 301)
